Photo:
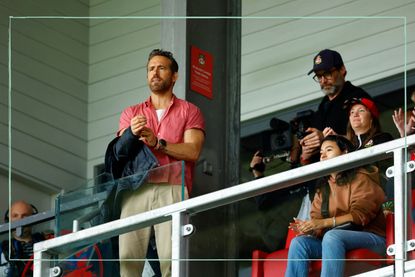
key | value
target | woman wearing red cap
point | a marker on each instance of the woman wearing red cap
(363, 128)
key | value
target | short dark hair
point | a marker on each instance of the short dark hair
(342, 142)
(160, 52)
(347, 176)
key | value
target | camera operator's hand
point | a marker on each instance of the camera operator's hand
(310, 144)
(257, 165)
(328, 131)
(295, 151)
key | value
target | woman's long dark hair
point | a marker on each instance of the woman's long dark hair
(343, 177)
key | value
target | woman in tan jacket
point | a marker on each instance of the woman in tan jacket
(353, 196)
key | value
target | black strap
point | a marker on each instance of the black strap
(258, 167)
(325, 194)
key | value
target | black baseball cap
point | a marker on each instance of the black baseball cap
(326, 60)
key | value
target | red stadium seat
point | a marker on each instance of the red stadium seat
(274, 264)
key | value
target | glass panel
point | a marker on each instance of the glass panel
(92, 260)
(96, 202)
(82, 204)
(101, 258)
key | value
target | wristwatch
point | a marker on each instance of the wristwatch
(161, 145)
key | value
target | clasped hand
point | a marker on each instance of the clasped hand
(305, 227)
(139, 128)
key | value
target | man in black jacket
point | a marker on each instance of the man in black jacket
(330, 72)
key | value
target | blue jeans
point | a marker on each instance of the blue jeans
(332, 249)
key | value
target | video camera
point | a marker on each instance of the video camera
(301, 123)
(277, 141)
(280, 136)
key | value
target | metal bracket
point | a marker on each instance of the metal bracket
(187, 230)
(56, 271)
(390, 250)
(389, 172)
(410, 166)
(410, 246)
(207, 168)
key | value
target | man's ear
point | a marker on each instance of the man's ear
(175, 76)
(343, 71)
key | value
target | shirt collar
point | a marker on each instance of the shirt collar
(148, 104)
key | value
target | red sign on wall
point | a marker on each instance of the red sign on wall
(201, 72)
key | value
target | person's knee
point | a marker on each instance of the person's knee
(297, 247)
(296, 242)
(332, 238)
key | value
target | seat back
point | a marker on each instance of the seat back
(390, 234)
(390, 230)
(290, 235)
(358, 260)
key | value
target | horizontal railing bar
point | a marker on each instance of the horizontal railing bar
(27, 221)
(410, 267)
(49, 215)
(226, 196)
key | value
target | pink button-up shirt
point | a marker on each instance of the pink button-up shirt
(178, 117)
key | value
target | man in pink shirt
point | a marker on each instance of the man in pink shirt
(174, 130)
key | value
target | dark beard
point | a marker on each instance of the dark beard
(161, 86)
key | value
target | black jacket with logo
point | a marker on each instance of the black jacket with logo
(332, 114)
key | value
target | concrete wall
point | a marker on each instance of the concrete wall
(71, 78)
(49, 62)
(278, 47)
(117, 67)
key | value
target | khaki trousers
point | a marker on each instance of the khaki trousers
(133, 245)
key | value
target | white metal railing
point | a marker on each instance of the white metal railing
(179, 213)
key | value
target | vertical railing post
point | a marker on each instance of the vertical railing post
(400, 210)
(41, 264)
(180, 229)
